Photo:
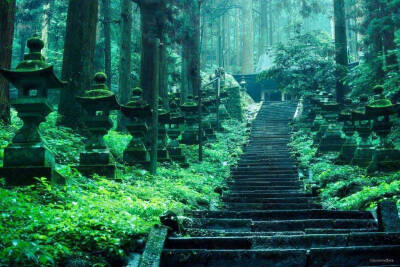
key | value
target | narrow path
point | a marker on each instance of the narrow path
(269, 220)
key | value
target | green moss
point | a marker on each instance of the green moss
(98, 93)
(381, 103)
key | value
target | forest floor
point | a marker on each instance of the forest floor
(98, 221)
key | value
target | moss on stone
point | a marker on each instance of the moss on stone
(381, 103)
(99, 93)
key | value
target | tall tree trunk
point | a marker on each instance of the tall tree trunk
(77, 70)
(270, 23)
(150, 31)
(264, 29)
(340, 48)
(248, 37)
(374, 39)
(237, 39)
(46, 26)
(154, 104)
(191, 48)
(228, 41)
(125, 84)
(388, 36)
(220, 42)
(107, 40)
(7, 15)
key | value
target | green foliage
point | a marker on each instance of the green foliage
(343, 187)
(99, 220)
(303, 65)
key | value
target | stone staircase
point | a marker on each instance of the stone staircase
(269, 220)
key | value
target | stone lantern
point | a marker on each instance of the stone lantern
(139, 113)
(26, 157)
(97, 102)
(190, 133)
(174, 132)
(385, 157)
(331, 140)
(328, 113)
(363, 154)
(207, 103)
(350, 145)
(163, 120)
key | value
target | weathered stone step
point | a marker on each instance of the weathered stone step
(284, 214)
(271, 200)
(338, 256)
(261, 187)
(266, 180)
(268, 193)
(265, 175)
(271, 206)
(265, 183)
(199, 232)
(301, 225)
(285, 242)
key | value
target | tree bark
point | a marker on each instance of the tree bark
(340, 48)
(248, 37)
(46, 18)
(77, 70)
(107, 40)
(264, 28)
(388, 36)
(125, 84)
(7, 16)
(150, 31)
(154, 103)
(237, 39)
(191, 48)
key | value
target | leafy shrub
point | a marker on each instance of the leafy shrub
(304, 64)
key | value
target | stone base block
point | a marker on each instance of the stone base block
(346, 154)
(362, 157)
(190, 138)
(386, 160)
(22, 176)
(107, 171)
(24, 156)
(163, 155)
(181, 160)
(90, 158)
(131, 157)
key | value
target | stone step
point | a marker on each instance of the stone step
(268, 194)
(336, 256)
(272, 200)
(199, 232)
(301, 225)
(284, 242)
(265, 183)
(284, 214)
(270, 206)
(266, 179)
(261, 187)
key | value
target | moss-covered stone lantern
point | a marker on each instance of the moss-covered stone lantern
(209, 132)
(331, 140)
(174, 132)
(27, 157)
(385, 157)
(97, 102)
(138, 112)
(328, 112)
(163, 120)
(190, 133)
(363, 154)
(350, 144)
